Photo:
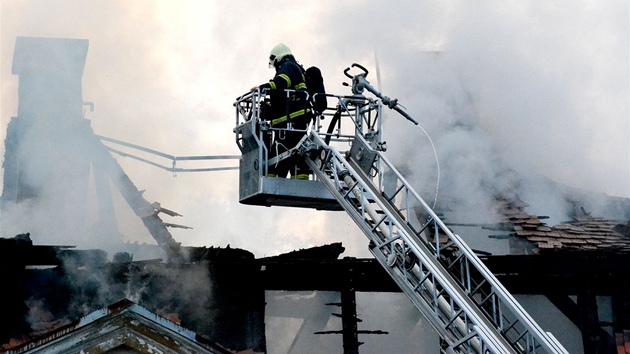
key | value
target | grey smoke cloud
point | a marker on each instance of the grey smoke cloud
(527, 74)
(546, 84)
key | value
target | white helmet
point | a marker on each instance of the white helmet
(277, 53)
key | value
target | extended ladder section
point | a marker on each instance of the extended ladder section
(442, 276)
(445, 280)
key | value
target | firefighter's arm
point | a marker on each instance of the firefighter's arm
(279, 82)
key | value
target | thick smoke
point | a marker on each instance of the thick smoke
(507, 93)
(503, 90)
(81, 286)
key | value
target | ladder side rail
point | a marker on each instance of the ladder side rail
(430, 311)
(464, 276)
(487, 299)
(441, 282)
(522, 334)
(537, 337)
(485, 327)
(504, 297)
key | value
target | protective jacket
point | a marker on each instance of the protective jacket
(295, 105)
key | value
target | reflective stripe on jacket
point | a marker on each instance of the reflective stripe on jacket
(289, 75)
(293, 115)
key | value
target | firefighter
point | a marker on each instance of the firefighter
(286, 110)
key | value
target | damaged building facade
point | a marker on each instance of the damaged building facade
(218, 300)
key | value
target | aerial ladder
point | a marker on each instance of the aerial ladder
(464, 302)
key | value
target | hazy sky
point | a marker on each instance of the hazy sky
(500, 86)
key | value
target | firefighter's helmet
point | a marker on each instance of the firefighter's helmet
(277, 53)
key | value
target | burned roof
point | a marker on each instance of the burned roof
(583, 233)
